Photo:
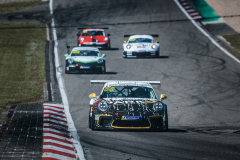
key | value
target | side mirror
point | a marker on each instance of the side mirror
(157, 41)
(66, 55)
(104, 55)
(92, 95)
(108, 34)
(162, 97)
(124, 41)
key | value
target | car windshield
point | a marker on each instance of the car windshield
(93, 33)
(85, 53)
(128, 92)
(138, 40)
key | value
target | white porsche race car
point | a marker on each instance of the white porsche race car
(85, 60)
(141, 46)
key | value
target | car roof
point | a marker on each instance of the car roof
(140, 36)
(85, 48)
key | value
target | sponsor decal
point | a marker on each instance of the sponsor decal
(141, 51)
(76, 52)
(85, 67)
(131, 117)
(141, 47)
(110, 89)
(132, 39)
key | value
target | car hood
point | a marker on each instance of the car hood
(86, 59)
(93, 38)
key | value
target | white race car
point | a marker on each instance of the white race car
(141, 46)
(85, 60)
(124, 105)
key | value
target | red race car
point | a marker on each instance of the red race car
(94, 37)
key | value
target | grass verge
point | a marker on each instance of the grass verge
(14, 6)
(235, 42)
(22, 62)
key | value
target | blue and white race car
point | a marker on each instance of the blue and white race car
(140, 46)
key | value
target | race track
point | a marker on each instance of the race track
(201, 82)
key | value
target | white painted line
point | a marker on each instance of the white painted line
(205, 33)
(57, 156)
(58, 142)
(47, 32)
(72, 128)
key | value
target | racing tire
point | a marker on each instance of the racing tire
(166, 123)
(92, 122)
(109, 45)
(104, 71)
(89, 121)
(66, 72)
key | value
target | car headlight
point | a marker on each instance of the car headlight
(100, 61)
(82, 39)
(103, 106)
(70, 60)
(158, 106)
(105, 39)
(154, 46)
(128, 46)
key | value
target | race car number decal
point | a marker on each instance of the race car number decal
(76, 52)
(132, 39)
(110, 89)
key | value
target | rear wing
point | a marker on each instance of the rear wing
(115, 81)
(153, 35)
(93, 28)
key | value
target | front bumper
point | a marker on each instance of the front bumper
(85, 68)
(98, 45)
(140, 54)
(109, 122)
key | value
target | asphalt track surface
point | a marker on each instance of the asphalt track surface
(201, 82)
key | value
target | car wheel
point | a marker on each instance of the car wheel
(166, 122)
(92, 122)
(89, 121)
(109, 45)
(104, 71)
(66, 72)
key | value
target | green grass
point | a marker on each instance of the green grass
(13, 6)
(235, 42)
(22, 62)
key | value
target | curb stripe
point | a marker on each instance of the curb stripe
(48, 113)
(52, 116)
(59, 152)
(58, 129)
(54, 110)
(57, 139)
(62, 135)
(191, 10)
(58, 142)
(58, 145)
(54, 107)
(55, 123)
(55, 119)
(49, 158)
